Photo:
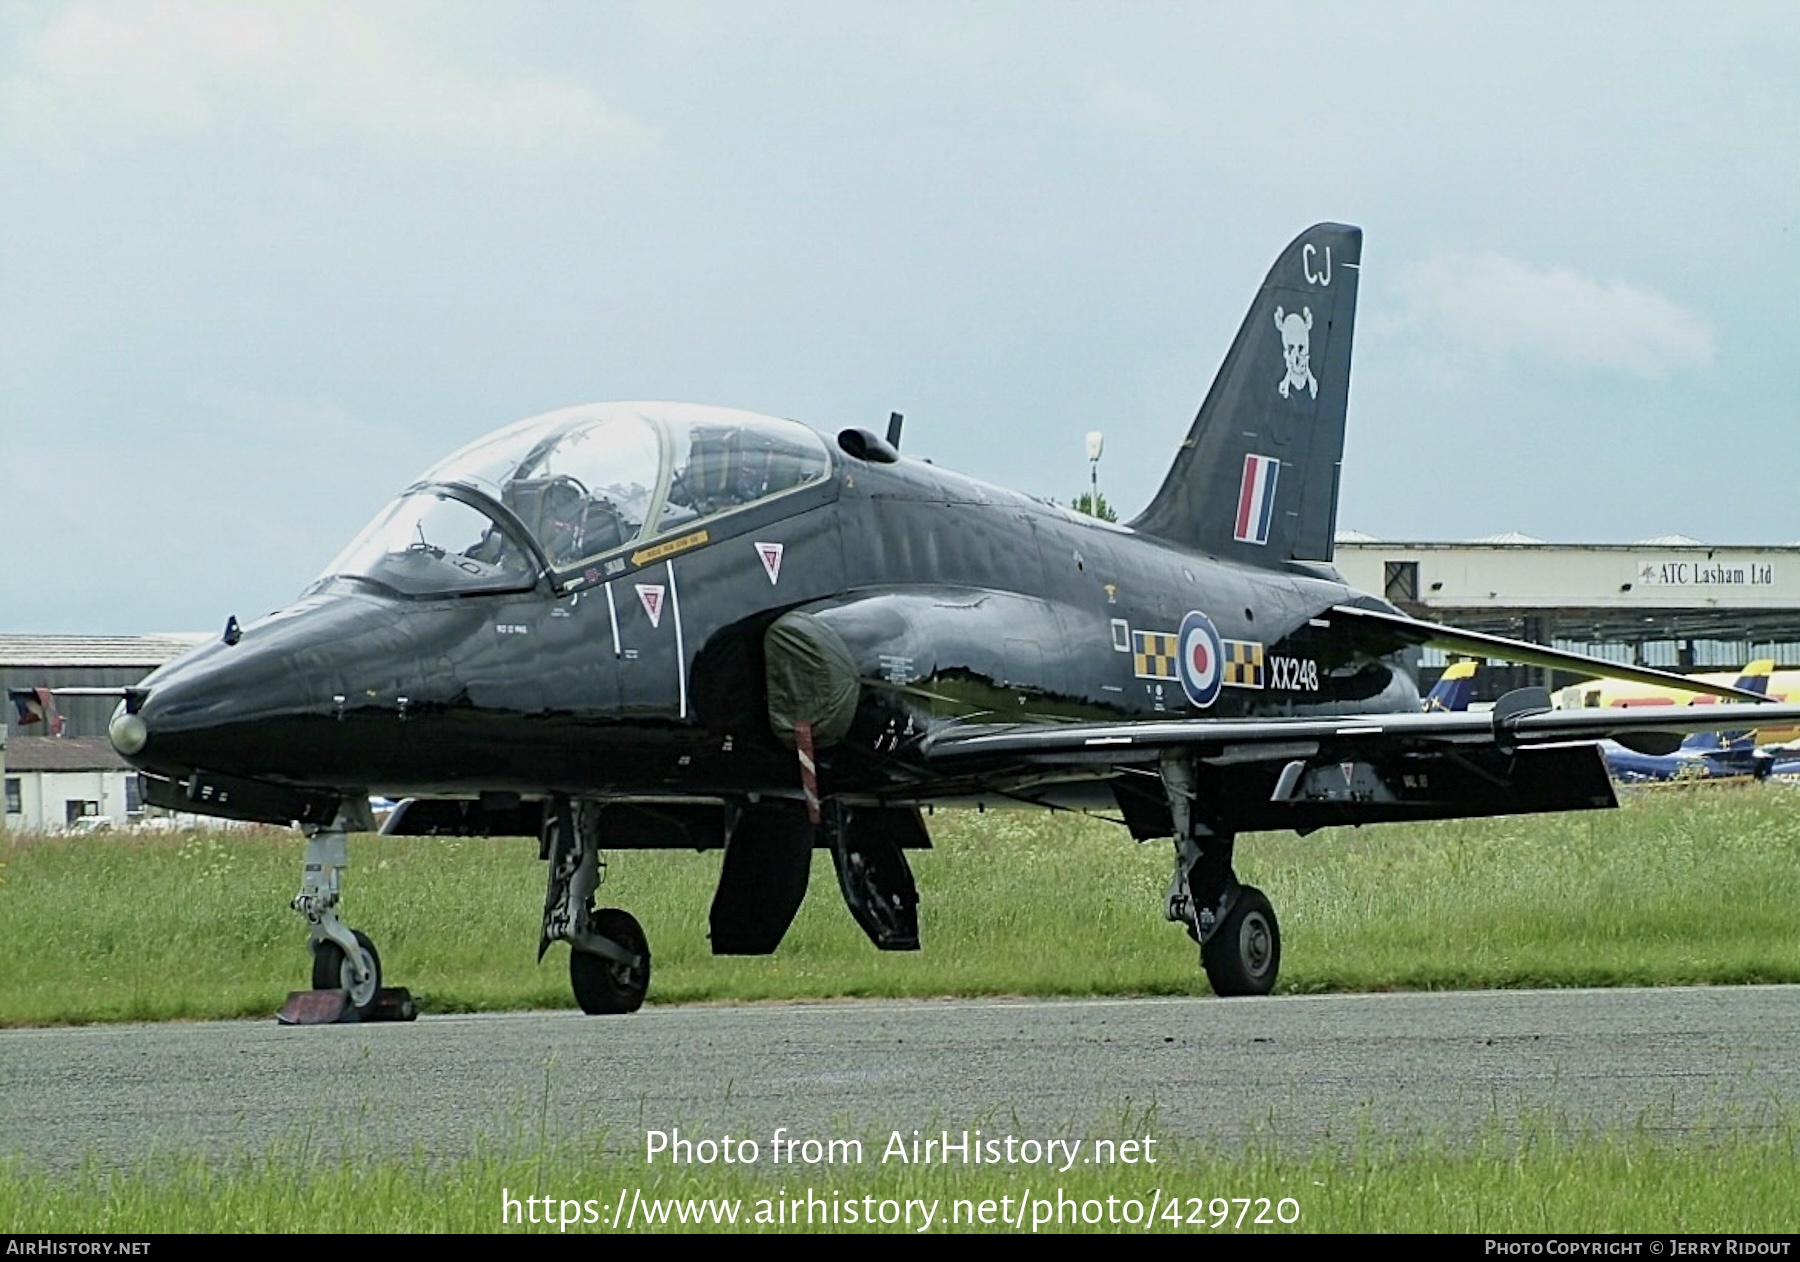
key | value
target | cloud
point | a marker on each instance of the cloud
(236, 503)
(103, 75)
(1505, 307)
(1127, 105)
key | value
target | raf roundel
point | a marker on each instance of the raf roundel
(1201, 660)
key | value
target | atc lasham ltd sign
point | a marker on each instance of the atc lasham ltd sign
(1704, 574)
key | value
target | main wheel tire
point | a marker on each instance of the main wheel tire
(606, 987)
(331, 970)
(1244, 956)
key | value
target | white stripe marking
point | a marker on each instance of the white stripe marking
(612, 617)
(680, 652)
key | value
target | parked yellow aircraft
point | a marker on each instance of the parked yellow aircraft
(1784, 685)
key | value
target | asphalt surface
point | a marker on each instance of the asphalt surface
(1296, 1070)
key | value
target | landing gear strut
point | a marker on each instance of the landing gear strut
(346, 970)
(1234, 923)
(609, 957)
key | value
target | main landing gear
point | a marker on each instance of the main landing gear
(609, 957)
(1234, 923)
(346, 971)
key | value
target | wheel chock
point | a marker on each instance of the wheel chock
(333, 1007)
(316, 1007)
(393, 1003)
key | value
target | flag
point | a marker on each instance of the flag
(34, 705)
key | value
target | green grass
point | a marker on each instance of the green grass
(1693, 885)
(1540, 1181)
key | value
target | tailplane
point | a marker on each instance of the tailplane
(1257, 478)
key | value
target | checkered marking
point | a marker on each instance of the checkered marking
(1243, 664)
(1153, 655)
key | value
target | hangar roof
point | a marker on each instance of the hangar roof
(60, 651)
(1347, 536)
(63, 753)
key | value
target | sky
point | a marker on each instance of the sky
(262, 264)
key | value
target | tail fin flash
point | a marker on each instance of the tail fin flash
(1756, 676)
(1257, 478)
(1754, 679)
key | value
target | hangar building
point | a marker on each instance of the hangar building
(84, 661)
(1674, 603)
(64, 770)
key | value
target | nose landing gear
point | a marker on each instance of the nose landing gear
(346, 971)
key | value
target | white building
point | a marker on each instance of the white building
(56, 784)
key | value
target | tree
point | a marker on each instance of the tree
(1094, 505)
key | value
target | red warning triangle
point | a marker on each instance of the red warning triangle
(771, 559)
(652, 596)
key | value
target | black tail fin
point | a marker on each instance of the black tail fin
(1257, 479)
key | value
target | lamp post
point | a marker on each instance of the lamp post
(1095, 447)
(1096, 443)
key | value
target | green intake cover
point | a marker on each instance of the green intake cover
(812, 679)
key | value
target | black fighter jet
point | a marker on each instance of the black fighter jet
(647, 625)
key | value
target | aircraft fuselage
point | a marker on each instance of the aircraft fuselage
(645, 677)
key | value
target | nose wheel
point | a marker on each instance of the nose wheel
(332, 970)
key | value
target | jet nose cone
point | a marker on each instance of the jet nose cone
(128, 731)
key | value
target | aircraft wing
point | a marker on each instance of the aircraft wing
(1223, 742)
(1397, 630)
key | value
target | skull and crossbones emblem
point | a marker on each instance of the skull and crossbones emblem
(1296, 349)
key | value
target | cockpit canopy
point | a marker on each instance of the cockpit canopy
(585, 482)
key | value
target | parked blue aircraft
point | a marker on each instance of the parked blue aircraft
(1784, 762)
(1702, 755)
